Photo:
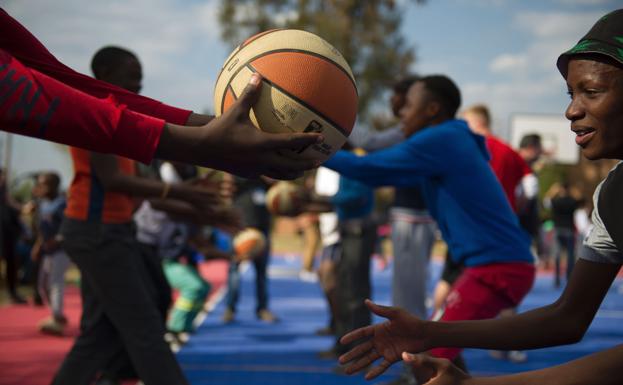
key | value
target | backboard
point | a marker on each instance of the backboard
(556, 137)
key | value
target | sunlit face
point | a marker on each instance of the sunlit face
(475, 122)
(596, 107)
(419, 109)
(128, 75)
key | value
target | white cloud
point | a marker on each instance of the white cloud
(517, 93)
(509, 63)
(556, 24)
(550, 33)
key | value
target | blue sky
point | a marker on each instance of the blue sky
(500, 52)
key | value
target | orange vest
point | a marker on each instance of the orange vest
(88, 201)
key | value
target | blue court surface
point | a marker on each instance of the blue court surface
(251, 352)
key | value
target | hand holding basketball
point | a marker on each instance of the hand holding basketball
(232, 134)
(307, 87)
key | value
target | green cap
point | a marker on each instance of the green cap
(605, 38)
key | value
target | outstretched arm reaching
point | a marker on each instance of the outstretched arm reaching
(562, 322)
(43, 98)
(603, 368)
(231, 143)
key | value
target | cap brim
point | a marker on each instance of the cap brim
(563, 60)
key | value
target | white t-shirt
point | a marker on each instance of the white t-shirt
(598, 244)
(327, 184)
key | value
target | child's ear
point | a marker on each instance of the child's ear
(433, 109)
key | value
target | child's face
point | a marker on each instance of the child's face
(44, 187)
(595, 111)
(128, 75)
(417, 113)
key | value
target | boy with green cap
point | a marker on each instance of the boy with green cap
(593, 70)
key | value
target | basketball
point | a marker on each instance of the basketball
(307, 87)
(249, 243)
(284, 198)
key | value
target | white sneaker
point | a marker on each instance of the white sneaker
(308, 276)
(517, 356)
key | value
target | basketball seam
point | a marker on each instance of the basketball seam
(310, 53)
(242, 45)
(304, 104)
(298, 51)
(231, 56)
(262, 34)
(229, 87)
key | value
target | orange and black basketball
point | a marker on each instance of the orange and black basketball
(307, 87)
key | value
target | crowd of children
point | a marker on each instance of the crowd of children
(136, 234)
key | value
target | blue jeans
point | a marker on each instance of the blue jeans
(261, 283)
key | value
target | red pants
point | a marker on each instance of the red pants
(482, 292)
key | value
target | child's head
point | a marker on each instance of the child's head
(48, 184)
(430, 100)
(119, 67)
(594, 73)
(530, 147)
(478, 119)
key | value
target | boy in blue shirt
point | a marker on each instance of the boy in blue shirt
(593, 71)
(450, 164)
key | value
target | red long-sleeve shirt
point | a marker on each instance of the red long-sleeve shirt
(508, 166)
(43, 98)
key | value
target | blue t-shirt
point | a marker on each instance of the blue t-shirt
(353, 200)
(450, 164)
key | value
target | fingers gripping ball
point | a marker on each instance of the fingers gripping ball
(308, 87)
(250, 243)
(284, 198)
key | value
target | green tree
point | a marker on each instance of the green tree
(367, 33)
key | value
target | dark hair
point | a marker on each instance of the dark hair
(109, 57)
(530, 140)
(445, 91)
(402, 85)
(53, 178)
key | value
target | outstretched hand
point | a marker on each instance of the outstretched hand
(237, 146)
(401, 332)
(439, 370)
